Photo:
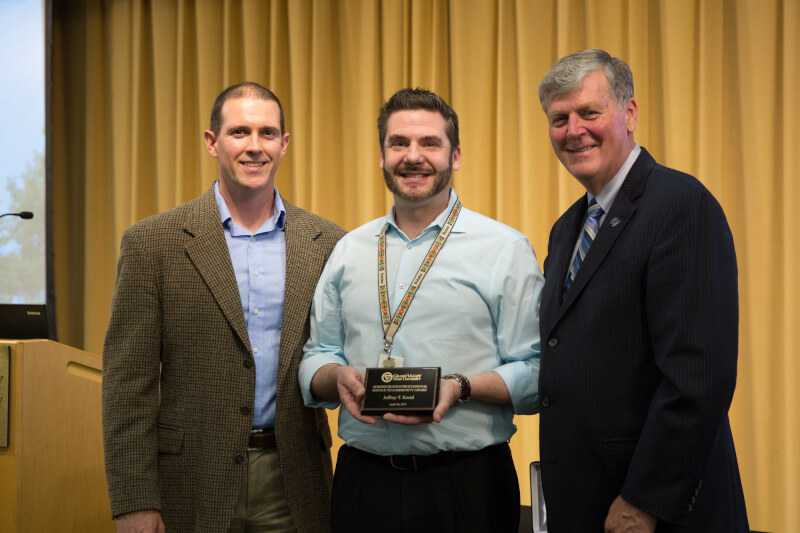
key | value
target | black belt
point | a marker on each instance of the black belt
(418, 462)
(262, 439)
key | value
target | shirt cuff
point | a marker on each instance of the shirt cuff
(309, 366)
(522, 381)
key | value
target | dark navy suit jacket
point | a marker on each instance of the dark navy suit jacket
(639, 361)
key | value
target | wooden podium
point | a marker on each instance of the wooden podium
(52, 476)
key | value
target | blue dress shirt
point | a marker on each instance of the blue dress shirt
(259, 262)
(476, 311)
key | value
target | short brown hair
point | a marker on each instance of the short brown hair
(419, 99)
(240, 90)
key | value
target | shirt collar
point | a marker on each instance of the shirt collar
(438, 222)
(609, 192)
(278, 219)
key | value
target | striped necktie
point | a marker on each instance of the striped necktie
(589, 233)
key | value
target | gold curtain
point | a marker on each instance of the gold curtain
(716, 80)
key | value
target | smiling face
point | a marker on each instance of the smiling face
(249, 145)
(590, 134)
(417, 159)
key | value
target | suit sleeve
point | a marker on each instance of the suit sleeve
(131, 369)
(691, 292)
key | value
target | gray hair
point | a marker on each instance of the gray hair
(569, 71)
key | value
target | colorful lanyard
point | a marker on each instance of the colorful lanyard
(392, 324)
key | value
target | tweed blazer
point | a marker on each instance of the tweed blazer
(639, 360)
(179, 374)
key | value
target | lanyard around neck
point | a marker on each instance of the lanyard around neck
(392, 324)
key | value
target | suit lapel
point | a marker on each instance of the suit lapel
(208, 251)
(562, 242)
(617, 219)
(574, 222)
(304, 262)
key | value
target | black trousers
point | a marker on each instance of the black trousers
(450, 492)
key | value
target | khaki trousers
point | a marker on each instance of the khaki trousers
(262, 504)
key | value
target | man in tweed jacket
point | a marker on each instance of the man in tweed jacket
(183, 373)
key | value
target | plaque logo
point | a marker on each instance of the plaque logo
(386, 377)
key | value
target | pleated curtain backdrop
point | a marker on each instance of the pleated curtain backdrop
(716, 81)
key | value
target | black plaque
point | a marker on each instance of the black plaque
(404, 391)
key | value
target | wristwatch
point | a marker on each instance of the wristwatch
(463, 382)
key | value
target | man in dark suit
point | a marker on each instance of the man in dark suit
(639, 324)
(204, 425)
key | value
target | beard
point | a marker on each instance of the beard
(441, 180)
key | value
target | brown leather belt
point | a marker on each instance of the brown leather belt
(262, 439)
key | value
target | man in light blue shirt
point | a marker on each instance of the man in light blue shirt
(475, 315)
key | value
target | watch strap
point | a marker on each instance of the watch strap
(463, 382)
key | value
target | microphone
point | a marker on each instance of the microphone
(26, 215)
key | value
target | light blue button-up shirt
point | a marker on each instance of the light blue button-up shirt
(476, 311)
(259, 262)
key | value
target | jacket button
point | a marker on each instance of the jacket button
(546, 401)
(245, 410)
(248, 363)
(553, 342)
(238, 459)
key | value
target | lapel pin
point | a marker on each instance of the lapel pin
(615, 221)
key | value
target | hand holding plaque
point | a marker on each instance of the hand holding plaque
(404, 391)
(412, 391)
